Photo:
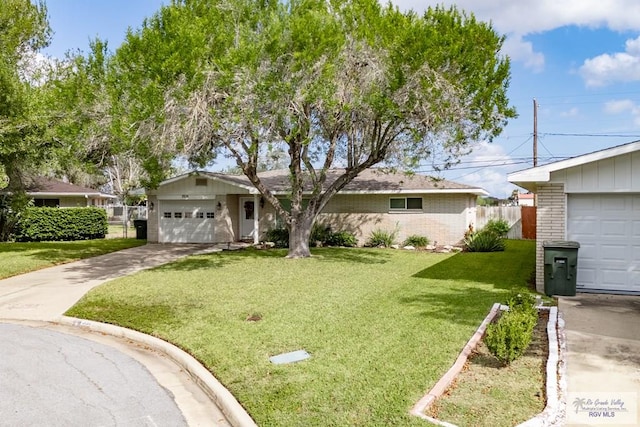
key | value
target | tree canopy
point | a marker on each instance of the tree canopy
(324, 84)
(23, 31)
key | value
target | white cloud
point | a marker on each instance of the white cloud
(523, 17)
(492, 166)
(535, 16)
(623, 106)
(618, 67)
(35, 67)
(519, 50)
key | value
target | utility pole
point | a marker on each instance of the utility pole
(535, 133)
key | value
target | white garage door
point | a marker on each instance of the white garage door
(186, 221)
(607, 226)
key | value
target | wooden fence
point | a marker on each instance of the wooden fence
(522, 219)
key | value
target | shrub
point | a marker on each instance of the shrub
(416, 241)
(379, 237)
(484, 241)
(509, 337)
(498, 226)
(55, 224)
(342, 238)
(320, 234)
(279, 236)
(523, 303)
(12, 208)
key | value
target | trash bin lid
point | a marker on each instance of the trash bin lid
(563, 244)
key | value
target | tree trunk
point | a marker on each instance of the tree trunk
(299, 233)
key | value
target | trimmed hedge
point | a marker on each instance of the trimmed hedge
(55, 224)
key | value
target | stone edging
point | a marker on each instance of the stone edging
(441, 386)
(556, 386)
(230, 407)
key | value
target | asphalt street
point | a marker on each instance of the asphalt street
(49, 378)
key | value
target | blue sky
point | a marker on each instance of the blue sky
(580, 60)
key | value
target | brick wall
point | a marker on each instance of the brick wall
(443, 218)
(551, 217)
(152, 219)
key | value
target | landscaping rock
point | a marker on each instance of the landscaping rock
(395, 246)
(431, 248)
(409, 248)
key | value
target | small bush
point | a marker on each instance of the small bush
(416, 241)
(498, 226)
(342, 238)
(320, 234)
(484, 241)
(379, 237)
(523, 303)
(57, 224)
(509, 337)
(279, 236)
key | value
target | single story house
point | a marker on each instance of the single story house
(55, 193)
(207, 207)
(593, 199)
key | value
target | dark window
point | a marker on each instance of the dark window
(414, 202)
(200, 215)
(398, 203)
(177, 215)
(201, 182)
(210, 215)
(166, 215)
(49, 203)
(405, 203)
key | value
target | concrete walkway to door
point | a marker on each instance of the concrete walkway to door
(603, 355)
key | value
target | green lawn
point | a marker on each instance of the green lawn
(18, 258)
(381, 326)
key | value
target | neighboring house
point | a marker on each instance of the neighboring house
(593, 199)
(202, 207)
(56, 193)
(526, 199)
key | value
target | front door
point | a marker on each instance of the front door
(247, 217)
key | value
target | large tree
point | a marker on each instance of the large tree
(23, 31)
(338, 83)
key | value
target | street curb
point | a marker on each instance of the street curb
(230, 407)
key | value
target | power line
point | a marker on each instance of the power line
(599, 135)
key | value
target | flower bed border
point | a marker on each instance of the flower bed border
(556, 385)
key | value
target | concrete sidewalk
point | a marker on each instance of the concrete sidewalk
(46, 294)
(39, 299)
(603, 356)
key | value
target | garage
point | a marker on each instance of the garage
(593, 199)
(183, 221)
(608, 229)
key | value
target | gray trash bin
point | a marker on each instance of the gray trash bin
(560, 267)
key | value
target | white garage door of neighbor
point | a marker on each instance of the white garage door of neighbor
(607, 226)
(186, 221)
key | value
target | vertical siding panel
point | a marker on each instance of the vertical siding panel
(622, 173)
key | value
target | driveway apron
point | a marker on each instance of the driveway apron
(56, 375)
(603, 359)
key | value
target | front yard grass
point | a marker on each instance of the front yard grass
(382, 326)
(18, 258)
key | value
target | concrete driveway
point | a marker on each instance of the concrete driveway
(603, 359)
(89, 378)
